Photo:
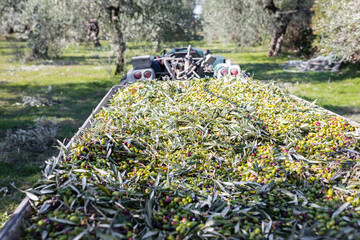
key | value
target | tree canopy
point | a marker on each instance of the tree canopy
(49, 25)
(241, 21)
(337, 26)
(249, 23)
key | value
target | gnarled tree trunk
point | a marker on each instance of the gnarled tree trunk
(282, 20)
(119, 41)
(278, 36)
(120, 51)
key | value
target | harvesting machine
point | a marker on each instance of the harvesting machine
(180, 64)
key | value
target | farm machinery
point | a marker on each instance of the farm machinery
(180, 64)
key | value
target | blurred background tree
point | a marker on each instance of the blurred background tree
(139, 20)
(243, 22)
(337, 26)
(120, 20)
(251, 23)
(50, 25)
(299, 35)
(291, 20)
(10, 11)
(45, 24)
(168, 20)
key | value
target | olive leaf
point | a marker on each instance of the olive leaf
(340, 209)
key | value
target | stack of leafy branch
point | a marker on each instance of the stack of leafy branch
(38, 138)
(225, 158)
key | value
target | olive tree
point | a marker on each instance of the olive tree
(243, 22)
(337, 27)
(293, 14)
(51, 24)
(299, 35)
(48, 26)
(131, 20)
(253, 22)
(10, 11)
(168, 20)
(119, 16)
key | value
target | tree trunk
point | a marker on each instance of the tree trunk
(40, 53)
(157, 45)
(120, 51)
(281, 23)
(278, 36)
(120, 44)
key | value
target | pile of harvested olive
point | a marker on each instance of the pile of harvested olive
(203, 159)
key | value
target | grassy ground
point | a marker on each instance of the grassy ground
(77, 81)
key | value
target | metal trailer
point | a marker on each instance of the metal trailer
(13, 227)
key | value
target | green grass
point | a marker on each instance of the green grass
(81, 77)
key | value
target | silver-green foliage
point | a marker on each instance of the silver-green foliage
(50, 24)
(241, 21)
(113, 16)
(38, 138)
(139, 20)
(10, 11)
(169, 20)
(337, 25)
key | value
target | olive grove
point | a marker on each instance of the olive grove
(10, 11)
(119, 20)
(135, 20)
(47, 25)
(50, 25)
(294, 15)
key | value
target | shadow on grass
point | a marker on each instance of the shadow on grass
(73, 60)
(273, 71)
(9, 45)
(16, 47)
(73, 101)
(7, 53)
(343, 109)
(139, 46)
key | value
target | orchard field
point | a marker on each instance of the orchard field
(75, 83)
